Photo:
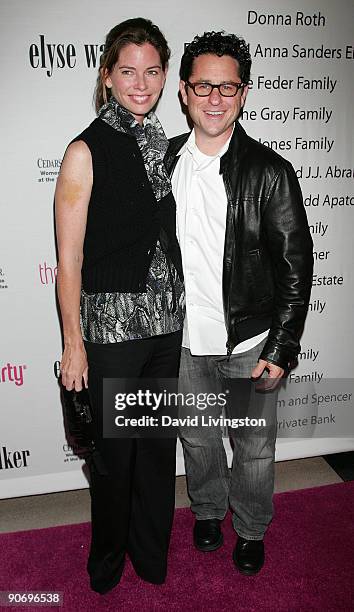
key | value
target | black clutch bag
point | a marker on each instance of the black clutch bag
(79, 427)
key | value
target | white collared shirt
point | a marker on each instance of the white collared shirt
(201, 200)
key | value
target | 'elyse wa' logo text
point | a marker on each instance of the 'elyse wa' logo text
(53, 56)
(12, 373)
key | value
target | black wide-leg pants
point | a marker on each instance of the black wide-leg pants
(132, 505)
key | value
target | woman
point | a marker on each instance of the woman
(121, 295)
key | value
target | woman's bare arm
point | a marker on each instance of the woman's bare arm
(72, 197)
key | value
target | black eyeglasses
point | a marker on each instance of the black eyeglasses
(227, 90)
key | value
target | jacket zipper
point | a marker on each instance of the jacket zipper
(229, 345)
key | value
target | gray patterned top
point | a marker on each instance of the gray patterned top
(115, 317)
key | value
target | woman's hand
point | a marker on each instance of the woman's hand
(74, 367)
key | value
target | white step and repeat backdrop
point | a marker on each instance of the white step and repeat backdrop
(300, 104)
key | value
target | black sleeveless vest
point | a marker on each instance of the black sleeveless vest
(124, 219)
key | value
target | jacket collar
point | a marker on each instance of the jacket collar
(237, 147)
(176, 144)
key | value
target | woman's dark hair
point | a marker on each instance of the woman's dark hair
(217, 43)
(137, 31)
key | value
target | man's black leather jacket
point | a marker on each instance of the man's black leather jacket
(268, 261)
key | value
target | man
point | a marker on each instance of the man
(247, 255)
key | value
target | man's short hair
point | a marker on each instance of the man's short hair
(217, 43)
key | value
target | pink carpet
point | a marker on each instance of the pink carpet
(309, 563)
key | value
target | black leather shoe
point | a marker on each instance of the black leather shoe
(248, 556)
(207, 535)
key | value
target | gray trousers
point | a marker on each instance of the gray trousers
(249, 488)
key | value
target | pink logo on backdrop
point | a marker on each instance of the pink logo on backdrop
(12, 373)
(47, 274)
